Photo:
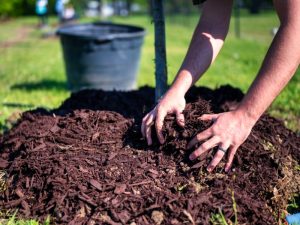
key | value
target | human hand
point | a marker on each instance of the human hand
(228, 132)
(171, 103)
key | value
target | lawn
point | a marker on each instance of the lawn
(32, 71)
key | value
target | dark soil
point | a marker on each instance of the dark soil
(86, 163)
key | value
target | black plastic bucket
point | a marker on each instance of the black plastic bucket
(101, 55)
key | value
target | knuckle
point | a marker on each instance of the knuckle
(218, 138)
(160, 110)
(214, 129)
(158, 124)
(148, 129)
(204, 146)
(231, 154)
(148, 123)
(145, 118)
(213, 164)
(198, 137)
(219, 155)
(181, 106)
(180, 116)
(235, 143)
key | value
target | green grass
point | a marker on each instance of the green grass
(14, 221)
(294, 204)
(32, 71)
(220, 219)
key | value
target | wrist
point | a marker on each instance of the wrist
(175, 91)
(247, 115)
(182, 83)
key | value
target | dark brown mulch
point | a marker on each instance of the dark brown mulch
(86, 163)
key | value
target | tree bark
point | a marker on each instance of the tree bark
(161, 76)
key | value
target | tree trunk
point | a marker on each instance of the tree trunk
(160, 49)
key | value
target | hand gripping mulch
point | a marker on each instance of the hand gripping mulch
(86, 163)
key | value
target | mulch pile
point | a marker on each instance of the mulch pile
(86, 163)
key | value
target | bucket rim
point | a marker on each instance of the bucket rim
(65, 31)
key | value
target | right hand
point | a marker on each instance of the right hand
(171, 103)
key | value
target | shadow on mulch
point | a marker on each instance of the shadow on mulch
(137, 103)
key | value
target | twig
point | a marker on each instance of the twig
(189, 216)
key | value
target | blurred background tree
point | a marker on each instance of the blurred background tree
(14, 8)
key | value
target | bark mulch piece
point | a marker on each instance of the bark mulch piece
(86, 163)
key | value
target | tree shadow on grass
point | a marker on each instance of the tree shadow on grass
(41, 85)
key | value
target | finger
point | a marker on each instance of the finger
(205, 117)
(149, 135)
(218, 157)
(180, 118)
(199, 137)
(159, 125)
(148, 125)
(205, 147)
(144, 125)
(231, 154)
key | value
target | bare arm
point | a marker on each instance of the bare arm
(206, 43)
(231, 129)
(280, 64)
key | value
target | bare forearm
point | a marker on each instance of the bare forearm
(278, 68)
(207, 41)
(201, 53)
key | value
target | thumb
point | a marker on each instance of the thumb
(180, 118)
(205, 117)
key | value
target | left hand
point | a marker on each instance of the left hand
(229, 131)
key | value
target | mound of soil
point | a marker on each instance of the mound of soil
(86, 163)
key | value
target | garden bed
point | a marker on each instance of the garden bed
(86, 163)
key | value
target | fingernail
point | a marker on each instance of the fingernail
(209, 169)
